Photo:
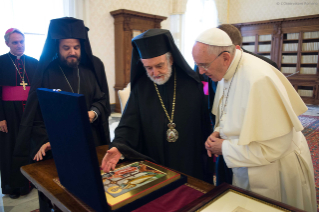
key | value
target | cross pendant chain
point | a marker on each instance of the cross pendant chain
(223, 107)
(68, 80)
(171, 133)
(23, 84)
(21, 77)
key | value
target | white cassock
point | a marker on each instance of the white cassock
(263, 143)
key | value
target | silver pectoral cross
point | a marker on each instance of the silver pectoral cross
(23, 84)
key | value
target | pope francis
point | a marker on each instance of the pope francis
(257, 128)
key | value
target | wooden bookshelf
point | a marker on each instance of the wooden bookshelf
(294, 40)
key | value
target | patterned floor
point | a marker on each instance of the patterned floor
(311, 131)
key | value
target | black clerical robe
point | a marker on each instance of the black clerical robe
(65, 78)
(11, 111)
(141, 133)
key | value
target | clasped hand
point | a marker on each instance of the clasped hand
(213, 144)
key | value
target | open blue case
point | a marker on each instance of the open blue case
(66, 119)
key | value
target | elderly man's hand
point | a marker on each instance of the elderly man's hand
(110, 159)
(213, 144)
(213, 136)
(45, 147)
(3, 126)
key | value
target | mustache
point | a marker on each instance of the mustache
(72, 56)
(160, 75)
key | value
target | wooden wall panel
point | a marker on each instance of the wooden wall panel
(278, 28)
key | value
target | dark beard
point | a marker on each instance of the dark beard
(64, 62)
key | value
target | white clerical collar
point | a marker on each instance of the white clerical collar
(232, 67)
(18, 57)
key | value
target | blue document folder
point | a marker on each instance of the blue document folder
(66, 119)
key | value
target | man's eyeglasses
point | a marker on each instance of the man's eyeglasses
(207, 66)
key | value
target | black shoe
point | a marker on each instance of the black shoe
(15, 195)
(23, 193)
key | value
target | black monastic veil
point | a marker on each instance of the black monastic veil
(32, 134)
(141, 133)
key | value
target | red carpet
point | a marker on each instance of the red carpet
(311, 132)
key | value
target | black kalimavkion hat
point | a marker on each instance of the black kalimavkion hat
(153, 43)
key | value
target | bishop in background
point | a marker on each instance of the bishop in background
(16, 74)
(165, 119)
(257, 128)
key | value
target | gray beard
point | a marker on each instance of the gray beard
(166, 77)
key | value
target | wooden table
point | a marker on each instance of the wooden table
(41, 174)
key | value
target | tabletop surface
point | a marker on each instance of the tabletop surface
(41, 174)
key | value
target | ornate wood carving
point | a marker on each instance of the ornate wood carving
(278, 28)
(126, 24)
(125, 21)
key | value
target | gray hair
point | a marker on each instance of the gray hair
(7, 36)
(216, 50)
(168, 56)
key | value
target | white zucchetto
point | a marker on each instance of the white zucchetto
(215, 37)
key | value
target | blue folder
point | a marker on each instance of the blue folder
(66, 119)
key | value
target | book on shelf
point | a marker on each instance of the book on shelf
(309, 59)
(307, 35)
(249, 39)
(292, 36)
(250, 48)
(305, 93)
(304, 70)
(264, 37)
(264, 48)
(288, 70)
(289, 59)
(313, 46)
(290, 47)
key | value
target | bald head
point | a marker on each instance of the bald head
(233, 33)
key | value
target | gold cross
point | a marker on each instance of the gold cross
(23, 84)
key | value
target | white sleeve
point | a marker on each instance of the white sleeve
(256, 153)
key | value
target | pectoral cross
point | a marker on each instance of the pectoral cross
(23, 84)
